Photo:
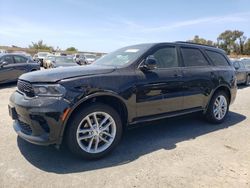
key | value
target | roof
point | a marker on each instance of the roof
(190, 44)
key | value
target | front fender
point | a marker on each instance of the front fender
(88, 97)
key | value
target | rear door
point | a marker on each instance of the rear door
(7, 72)
(197, 75)
(160, 90)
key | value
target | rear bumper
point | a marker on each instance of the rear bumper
(233, 94)
(38, 120)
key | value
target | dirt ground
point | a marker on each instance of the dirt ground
(177, 152)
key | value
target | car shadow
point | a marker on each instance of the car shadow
(8, 85)
(164, 134)
(243, 86)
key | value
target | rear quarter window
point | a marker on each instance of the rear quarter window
(193, 57)
(217, 58)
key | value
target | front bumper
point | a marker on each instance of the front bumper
(38, 120)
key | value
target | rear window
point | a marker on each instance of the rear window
(217, 58)
(193, 57)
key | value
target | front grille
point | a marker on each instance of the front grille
(26, 88)
(25, 128)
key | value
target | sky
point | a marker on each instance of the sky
(105, 25)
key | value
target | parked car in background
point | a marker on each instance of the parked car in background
(90, 58)
(89, 107)
(246, 63)
(80, 59)
(60, 54)
(14, 65)
(47, 61)
(40, 57)
(2, 51)
(242, 72)
(59, 61)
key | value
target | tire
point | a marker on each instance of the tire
(213, 115)
(247, 80)
(79, 128)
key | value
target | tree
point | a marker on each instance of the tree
(247, 47)
(232, 41)
(71, 49)
(240, 40)
(199, 40)
(40, 46)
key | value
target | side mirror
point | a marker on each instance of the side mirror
(236, 65)
(2, 64)
(150, 63)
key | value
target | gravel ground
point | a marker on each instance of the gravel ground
(177, 152)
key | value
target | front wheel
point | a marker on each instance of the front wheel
(218, 107)
(94, 131)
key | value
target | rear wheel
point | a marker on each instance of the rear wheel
(94, 131)
(218, 107)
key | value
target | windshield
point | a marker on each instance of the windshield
(64, 59)
(123, 56)
(43, 54)
(90, 56)
(50, 58)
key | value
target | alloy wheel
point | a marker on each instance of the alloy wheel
(96, 132)
(220, 107)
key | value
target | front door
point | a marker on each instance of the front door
(159, 91)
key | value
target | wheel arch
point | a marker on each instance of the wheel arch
(115, 100)
(220, 88)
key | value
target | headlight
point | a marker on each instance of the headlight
(49, 90)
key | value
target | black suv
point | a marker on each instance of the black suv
(88, 107)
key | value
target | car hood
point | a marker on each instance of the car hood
(54, 75)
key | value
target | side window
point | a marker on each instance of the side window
(8, 59)
(20, 59)
(166, 57)
(217, 58)
(193, 57)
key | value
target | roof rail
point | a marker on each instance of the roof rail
(186, 42)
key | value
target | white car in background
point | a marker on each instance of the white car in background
(3, 51)
(40, 56)
(90, 58)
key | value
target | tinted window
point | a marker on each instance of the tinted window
(20, 59)
(64, 59)
(193, 57)
(8, 59)
(166, 57)
(217, 58)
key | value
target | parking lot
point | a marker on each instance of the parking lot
(177, 152)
